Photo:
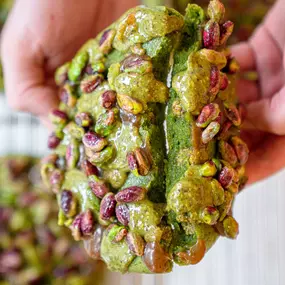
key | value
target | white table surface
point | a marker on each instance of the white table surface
(257, 257)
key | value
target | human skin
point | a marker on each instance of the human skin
(264, 128)
(50, 32)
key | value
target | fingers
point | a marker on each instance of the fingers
(268, 61)
(267, 114)
(26, 86)
(275, 21)
(244, 54)
(266, 159)
(247, 91)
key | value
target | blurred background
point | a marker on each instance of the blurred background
(255, 258)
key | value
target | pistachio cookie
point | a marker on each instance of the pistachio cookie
(33, 248)
(147, 157)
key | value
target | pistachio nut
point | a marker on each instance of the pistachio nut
(226, 206)
(106, 122)
(103, 156)
(136, 63)
(121, 235)
(106, 40)
(216, 11)
(56, 179)
(72, 154)
(232, 113)
(89, 169)
(129, 104)
(91, 82)
(210, 132)
(61, 74)
(94, 142)
(67, 96)
(74, 131)
(78, 64)
(241, 149)
(214, 82)
(108, 206)
(233, 188)
(53, 141)
(208, 114)
(209, 215)
(58, 117)
(135, 243)
(109, 99)
(226, 30)
(217, 163)
(122, 214)
(227, 153)
(224, 81)
(131, 194)
(87, 223)
(214, 57)
(208, 169)
(226, 176)
(225, 133)
(68, 203)
(98, 67)
(98, 186)
(143, 161)
(218, 193)
(211, 35)
(231, 227)
(83, 119)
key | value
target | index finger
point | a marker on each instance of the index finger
(26, 84)
(244, 53)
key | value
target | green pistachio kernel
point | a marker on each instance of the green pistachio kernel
(72, 154)
(103, 156)
(61, 74)
(226, 206)
(209, 215)
(77, 65)
(218, 193)
(217, 163)
(74, 131)
(208, 169)
(129, 104)
(106, 122)
(98, 67)
(114, 232)
(231, 227)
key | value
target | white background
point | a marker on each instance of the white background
(257, 257)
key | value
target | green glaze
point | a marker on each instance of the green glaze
(144, 87)
(116, 255)
(91, 102)
(138, 266)
(189, 196)
(141, 24)
(148, 227)
(192, 85)
(77, 182)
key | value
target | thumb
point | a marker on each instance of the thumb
(267, 114)
(26, 83)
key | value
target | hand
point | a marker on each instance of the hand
(265, 124)
(39, 36)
